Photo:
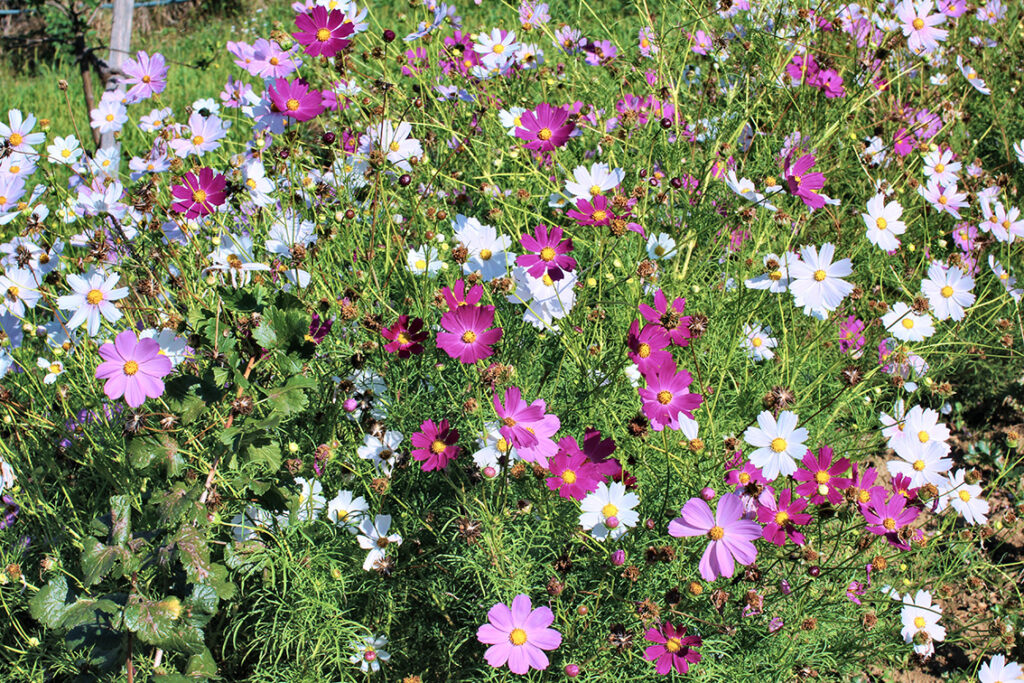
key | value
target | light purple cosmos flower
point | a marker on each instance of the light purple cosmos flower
(93, 296)
(519, 635)
(146, 74)
(731, 536)
(886, 518)
(516, 415)
(133, 368)
(204, 136)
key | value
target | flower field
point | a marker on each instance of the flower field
(489, 341)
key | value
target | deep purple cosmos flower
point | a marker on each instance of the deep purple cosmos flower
(550, 253)
(781, 518)
(822, 479)
(519, 636)
(295, 100)
(667, 395)
(731, 536)
(319, 328)
(198, 195)
(405, 338)
(467, 336)
(324, 33)
(8, 511)
(669, 316)
(435, 445)
(146, 74)
(133, 368)
(545, 127)
(673, 649)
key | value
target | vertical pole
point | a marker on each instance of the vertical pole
(120, 43)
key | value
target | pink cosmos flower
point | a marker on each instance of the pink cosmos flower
(467, 337)
(516, 416)
(647, 347)
(918, 24)
(199, 194)
(544, 429)
(518, 636)
(886, 518)
(458, 296)
(550, 253)
(574, 475)
(803, 184)
(667, 395)
(147, 76)
(435, 445)
(133, 368)
(821, 477)
(295, 100)
(670, 318)
(405, 337)
(545, 128)
(323, 33)
(781, 518)
(731, 536)
(673, 648)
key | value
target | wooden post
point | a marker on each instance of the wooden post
(120, 44)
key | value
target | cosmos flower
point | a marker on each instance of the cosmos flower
(323, 33)
(295, 100)
(92, 298)
(672, 648)
(776, 443)
(545, 128)
(435, 445)
(146, 74)
(132, 368)
(466, 336)
(550, 253)
(199, 194)
(731, 536)
(519, 635)
(608, 511)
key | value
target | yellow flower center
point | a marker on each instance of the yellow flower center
(94, 297)
(569, 477)
(863, 496)
(716, 533)
(918, 24)
(517, 637)
(146, 78)
(498, 49)
(972, 75)
(394, 146)
(292, 104)
(323, 35)
(544, 134)
(881, 224)
(402, 338)
(922, 436)
(644, 351)
(546, 279)
(15, 139)
(486, 254)
(889, 523)
(199, 196)
(659, 250)
(502, 445)
(437, 447)
(919, 622)
(822, 477)
(908, 323)
(919, 465)
(420, 264)
(130, 368)
(964, 496)
(54, 368)
(664, 397)
(274, 61)
(609, 510)
(673, 645)
(819, 275)
(775, 275)
(595, 190)
(744, 478)
(781, 517)
(943, 200)
(946, 291)
(600, 215)
(548, 254)
(778, 444)
(65, 153)
(110, 117)
(756, 342)
(198, 140)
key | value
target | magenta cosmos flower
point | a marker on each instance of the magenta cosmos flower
(519, 635)
(516, 415)
(574, 474)
(669, 316)
(550, 253)
(198, 195)
(295, 100)
(886, 518)
(323, 33)
(405, 338)
(467, 337)
(133, 368)
(544, 128)
(781, 518)
(147, 76)
(458, 296)
(803, 184)
(647, 347)
(434, 445)
(672, 648)
(667, 395)
(731, 535)
(822, 479)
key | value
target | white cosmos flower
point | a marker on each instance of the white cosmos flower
(903, 324)
(758, 343)
(883, 222)
(346, 509)
(373, 536)
(923, 463)
(608, 512)
(598, 180)
(381, 452)
(777, 444)
(920, 615)
(948, 291)
(817, 283)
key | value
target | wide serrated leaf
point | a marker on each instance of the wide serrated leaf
(99, 559)
(290, 398)
(267, 454)
(202, 666)
(120, 519)
(152, 623)
(50, 604)
(194, 553)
